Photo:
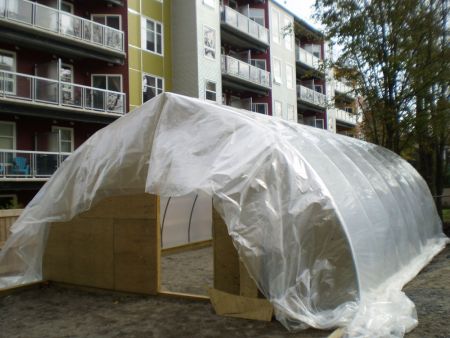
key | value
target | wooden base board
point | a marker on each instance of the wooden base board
(20, 288)
(186, 247)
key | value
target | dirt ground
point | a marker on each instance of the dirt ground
(54, 311)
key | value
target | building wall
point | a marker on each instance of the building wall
(279, 51)
(209, 69)
(142, 61)
(185, 48)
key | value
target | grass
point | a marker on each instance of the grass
(446, 213)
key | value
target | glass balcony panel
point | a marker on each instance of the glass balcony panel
(263, 35)
(71, 95)
(18, 10)
(245, 24)
(115, 102)
(255, 75)
(18, 86)
(46, 91)
(253, 28)
(244, 70)
(60, 22)
(47, 18)
(71, 25)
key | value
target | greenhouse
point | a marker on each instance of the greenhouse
(329, 227)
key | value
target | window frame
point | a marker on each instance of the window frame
(156, 85)
(72, 137)
(108, 15)
(207, 48)
(275, 102)
(287, 39)
(266, 107)
(275, 27)
(13, 77)
(290, 73)
(14, 135)
(107, 76)
(293, 112)
(274, 77)
(209, 91)
(144, 20)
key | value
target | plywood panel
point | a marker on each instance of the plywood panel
(81, 252)
(226, 260)
(136, 255)
(126, 207)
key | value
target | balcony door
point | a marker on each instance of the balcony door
(7, 80)
(64, 139)
(110, 97)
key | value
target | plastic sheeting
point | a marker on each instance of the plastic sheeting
(330, 227)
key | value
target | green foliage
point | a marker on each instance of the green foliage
(397, 55)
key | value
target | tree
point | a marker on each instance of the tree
(397, 55)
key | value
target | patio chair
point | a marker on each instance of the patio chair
(20, 166)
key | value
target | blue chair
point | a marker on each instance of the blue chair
(20, 166)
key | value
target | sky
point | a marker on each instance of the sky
(302, 8)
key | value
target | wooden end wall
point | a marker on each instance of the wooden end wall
(115, 245)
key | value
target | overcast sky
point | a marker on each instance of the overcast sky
(302, 8)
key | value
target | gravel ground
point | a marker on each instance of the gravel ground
(52, 311)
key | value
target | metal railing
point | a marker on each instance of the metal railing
(343, 88)
(307, 58)
(22, 164)
(62, 23)
(42, 90)
(311, 96)
(245, 71)
(344, 116)
(245, 24)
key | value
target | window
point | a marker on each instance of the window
(260, 108)
(151, 86)
(8, 63)
(113, 38)
(278, 109)
(318, 88)
(110, 98)
(66, 75)
(349, 110)
(152, 36)
(209, 39)
(66, 7)
(287, 33)
(275, 26)
(261, 64)
(65, 139)
(112, 21)
(316, 50)
(290, 112)
(7, 135)
(277, 71)
(257, 15)
(289, 77)
(210, 3)
(210, 91)
(8, 201)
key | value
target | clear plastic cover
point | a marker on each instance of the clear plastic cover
(330, 227)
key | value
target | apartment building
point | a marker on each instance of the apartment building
(63, 76)
(149, 49)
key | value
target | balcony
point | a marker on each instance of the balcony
(60, 26)
(346, 117)
(244, 27)
(245, 72)
(29, 89)
(19, 165)
(311, 96)
(307, 59)
(344, 89)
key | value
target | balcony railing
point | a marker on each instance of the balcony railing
(342, 115)
(343, 88)
(307, 58)
(62, 23)
(245, 24)
(245, 71)
(36, 89)
(20, 164)
(311, 96)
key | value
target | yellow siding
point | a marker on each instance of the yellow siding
(134, 29)
(135, 88)
(141, 61)
(134, 5)
(152, 9)
(134, 58)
